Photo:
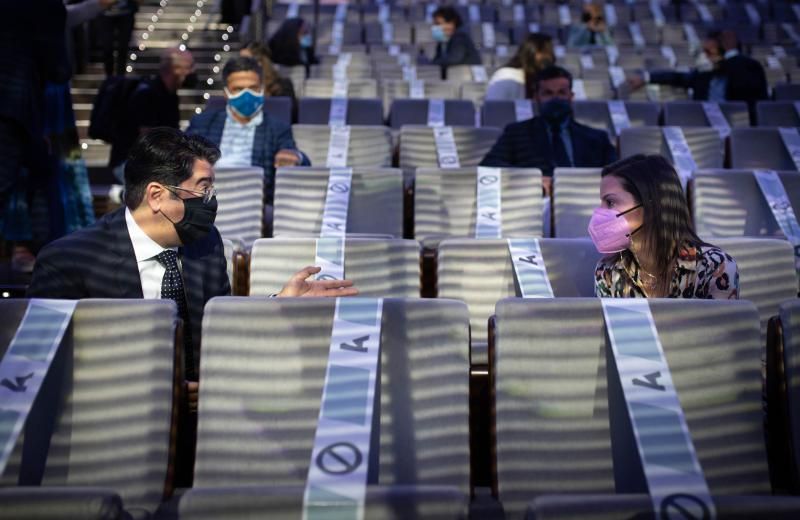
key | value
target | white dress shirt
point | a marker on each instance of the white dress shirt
(236, 145)
(151, 272)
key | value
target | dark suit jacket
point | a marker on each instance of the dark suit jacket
(459, 50)
(99, 262)
(271, 136)
(527, 144)
(746, 80)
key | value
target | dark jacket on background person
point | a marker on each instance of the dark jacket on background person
(271, 136)
(99, 262)
(458, 50)
(527, 144)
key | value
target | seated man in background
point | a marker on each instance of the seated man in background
(245, 134)
(453, 45)
(592, 30)
(553, 138)
(723, 74)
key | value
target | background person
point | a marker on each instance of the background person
(592, 30)
(274, 84)
(644, 229)
(453, 44)
(515, 79)
(293, 44)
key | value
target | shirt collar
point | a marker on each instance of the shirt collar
(730, 53)
(144, 247)
(257, 119)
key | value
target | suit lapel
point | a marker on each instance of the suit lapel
(123, 262)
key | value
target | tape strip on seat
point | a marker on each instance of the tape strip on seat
(579, 89)
(636, 35)
(338, 114)
(293, 11)
(474, 14)
(752, 14)
(681, 153)
(488, 34)
(717, 119)
(587, 62)
(387, 30)
(533, 27)
(669, 54)
(338, 147)
(330, 247)
(383, 13)
(416, 89)
(791, 32)
(337, 36)
(704, 12)
(519, 14)
(436, 112)
(691, 38)
(337, 475)
(523, 109)
(409, 72)
(778, 201)
(665, 446)
(489, 203)
(340, 87)
(619, 116)
(612, 53)
(611, 14)
(479, 73)
(446, 151)
(26, 363)
(791, 141)
(529, 268)
(658, 14)
(617, 76)
(564, 16)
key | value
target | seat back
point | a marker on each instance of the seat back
(786, 92)
(380, 268)
(316, 111)
(356, 88)
(445, 203)
(399, 89)
(691, 113)
(707, 147)
(240, 199)
(777, 113)
(789, 315)
(597, 115)
(376, 201)
(369, 146)
(556, 412)
(457, 112)
(729, 203)
(266, 392)
(108, 400)
(418, 147)
(500, 113)
(576, 193)
(759, 148)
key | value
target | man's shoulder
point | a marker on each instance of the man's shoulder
(92, 242)
(525, 127)
(207, 116)
(588, 133)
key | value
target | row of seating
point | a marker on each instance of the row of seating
(557, 413)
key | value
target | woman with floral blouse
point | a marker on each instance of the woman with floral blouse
(643, 228)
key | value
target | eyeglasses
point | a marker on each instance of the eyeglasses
(206, 194)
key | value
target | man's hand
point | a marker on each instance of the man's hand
(287, 158)
(192, 389)
(547, 186)
(299, 285)
(635, 81)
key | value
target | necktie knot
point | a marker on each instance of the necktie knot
(168, 258)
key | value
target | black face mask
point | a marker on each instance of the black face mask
(198, 219)
(556, 111)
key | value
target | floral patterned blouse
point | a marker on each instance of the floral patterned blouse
(701, 271)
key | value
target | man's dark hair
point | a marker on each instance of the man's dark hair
(448, 14)
(241, 64)
(552, 72)
(164, 155)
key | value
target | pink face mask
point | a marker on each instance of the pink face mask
(610, 231)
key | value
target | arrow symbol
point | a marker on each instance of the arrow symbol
(19, 386)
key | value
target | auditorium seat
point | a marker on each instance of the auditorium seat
(576, 193)
(356, 88)
(240, 199)
(500, 113)
(759, 148)
(607, 507)
(457, 112)
(729, 203)
(597, 114)
(418, 147)
(363, 112)
(466, 73)
(260, 402)
(445, 203)
(691, 113)
(786, 92)
(480, 273)
(379, 268)
(369, 147)
(374, 34)
(473, 91)
(785, 334)
(107, 401)
(286, 503)
(556, 414)
(777, 113)
(707, 147)
(389, 70)
(400, 89)
(376, 201)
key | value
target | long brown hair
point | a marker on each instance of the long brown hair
(262, 54)
(666, 224)
(525, 58)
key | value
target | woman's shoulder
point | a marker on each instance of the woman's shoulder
(710, 254)
(508, 73)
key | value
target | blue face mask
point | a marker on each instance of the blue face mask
(245, 103)
(305, 41)
(438, 33)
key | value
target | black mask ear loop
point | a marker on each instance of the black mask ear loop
(628, 211)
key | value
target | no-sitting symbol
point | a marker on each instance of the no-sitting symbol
(339, 458)
(683, 506)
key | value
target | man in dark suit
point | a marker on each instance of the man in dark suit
(245, 134)
(454, 46)
(724, 75)
(553, 138)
